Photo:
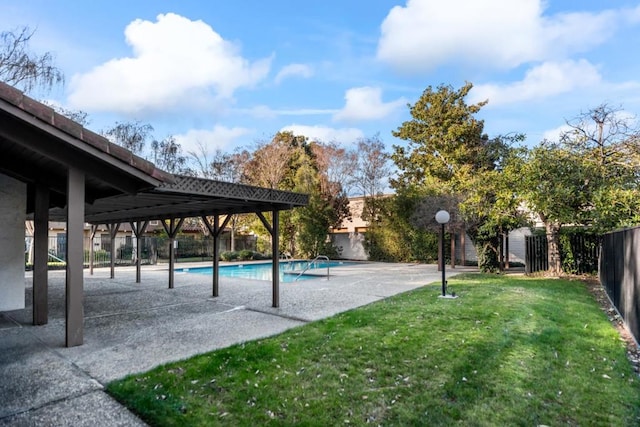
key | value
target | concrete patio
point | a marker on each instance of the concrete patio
(131, 328)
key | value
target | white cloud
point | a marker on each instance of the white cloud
(220, 137)
(365, 103)
(489, 33)
(325, 133)
(173, 59)
(545, 80)
(294, 70)
(266, 112)
(553, 135)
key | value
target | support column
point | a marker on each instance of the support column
(276, 258)
(172, 229)
(275, 251)
(113, 230)
(92, 236)
(453, 249)
(74, 282)
(40, 256)
(441, 250)
(13, 213)
(501, 252)
(138, 227)
(215, 232)
(463, 246)
(506, 251)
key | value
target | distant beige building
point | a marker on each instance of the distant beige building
(349, 238)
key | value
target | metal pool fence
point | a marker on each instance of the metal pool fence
(620, 274)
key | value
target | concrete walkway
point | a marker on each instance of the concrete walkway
(131, 328)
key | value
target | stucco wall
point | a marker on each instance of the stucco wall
(516, 246)
(13, 200)
(350, 245)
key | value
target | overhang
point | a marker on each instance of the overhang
(187, 197)
(39, 146)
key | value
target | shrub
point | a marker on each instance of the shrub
(229, 255)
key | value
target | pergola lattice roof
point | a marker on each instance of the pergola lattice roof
(187, 197)
(39, 145)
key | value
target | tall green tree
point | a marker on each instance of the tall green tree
(448, 154)
(589, 178)
(293, 163)
(607, 140)
(445, 141)
(555, 185)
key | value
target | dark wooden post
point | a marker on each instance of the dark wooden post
(75, 259)
(215, 232)
(113, 230)
(41, 256)
(276, 259)
(275, 250)
(138, 227)
(441, 249)
(453, 249)
(172, 230)
(506, 251)
(92, 236)
(463, 247)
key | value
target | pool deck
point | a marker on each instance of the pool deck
(132, 327)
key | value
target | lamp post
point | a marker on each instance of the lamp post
(442, 217)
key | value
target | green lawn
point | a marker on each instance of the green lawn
(509, 351)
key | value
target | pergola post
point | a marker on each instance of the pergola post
(506, 251)
(215, 232)
(501, 252)
(463, 247)
(453, 249)
(138, 227)
(92, 255)
(172, 229)
(113, 230)
(75, 255)
(41, 256)
(275, 250)
(441, 262)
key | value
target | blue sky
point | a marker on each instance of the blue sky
(227, 74)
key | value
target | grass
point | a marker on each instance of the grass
(509, 351)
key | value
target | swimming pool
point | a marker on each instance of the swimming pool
(262, 271)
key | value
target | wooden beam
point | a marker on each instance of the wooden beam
(75, 255)
(172, 228)
(215, 230)
(92, 255)
(275, 250)
(113, 231)
(41, 256)
(138, 227)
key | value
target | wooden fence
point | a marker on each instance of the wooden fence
(578, 253)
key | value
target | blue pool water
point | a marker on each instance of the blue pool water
(262, 271)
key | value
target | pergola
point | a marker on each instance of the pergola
(78, 176)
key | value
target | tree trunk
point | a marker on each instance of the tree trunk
(553, 248)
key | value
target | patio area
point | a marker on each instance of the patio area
(130, 328)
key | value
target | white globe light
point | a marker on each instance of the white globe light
(442, 217)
